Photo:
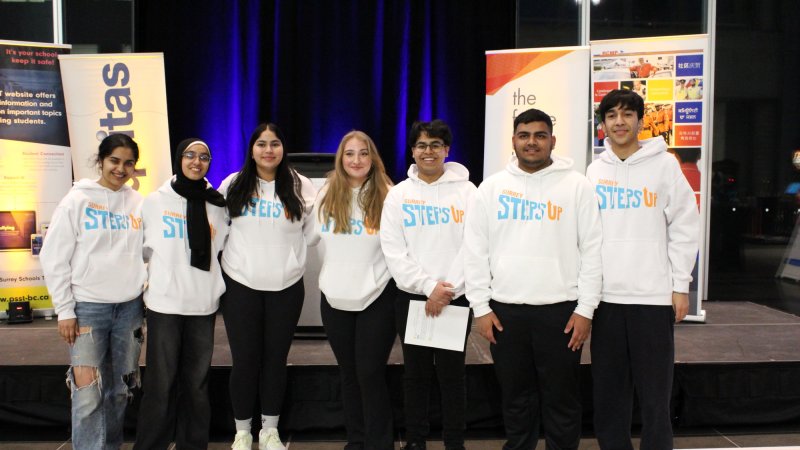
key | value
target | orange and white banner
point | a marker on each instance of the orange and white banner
(554, 80)
(118, 93)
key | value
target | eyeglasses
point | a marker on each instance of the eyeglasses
(190, 156)
(435, 146)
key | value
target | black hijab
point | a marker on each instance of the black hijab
(196, 193)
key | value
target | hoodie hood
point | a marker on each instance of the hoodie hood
(648, 148)
(453, 172)
(560, 163)
(87, 184)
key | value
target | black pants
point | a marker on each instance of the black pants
(538, 375)
(633, 348)
(362, 341)
(260, 327)
(175, 398)
(419, 364)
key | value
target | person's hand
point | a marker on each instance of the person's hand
(442, 293)
(433, 308)
(680, 304)
(441, 296)
(486, 325)
(580, 327)
(68, 329)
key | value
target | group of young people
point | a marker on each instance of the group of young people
(537, 252)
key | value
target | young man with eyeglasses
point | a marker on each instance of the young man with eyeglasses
(422, 229)
(533, 278)
(650, 226)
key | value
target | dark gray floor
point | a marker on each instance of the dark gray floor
(733, 332)
(714, 439)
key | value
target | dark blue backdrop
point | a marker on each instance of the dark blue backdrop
(321, 68)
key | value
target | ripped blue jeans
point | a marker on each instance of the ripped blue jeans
(110, 341)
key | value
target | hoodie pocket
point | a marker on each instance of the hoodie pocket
(183, 282)
(635, 267)
(347, 280)
(266, 267)
(528, 277)
(111, 273)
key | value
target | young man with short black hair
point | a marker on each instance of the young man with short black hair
(533, 275)
(650, 227)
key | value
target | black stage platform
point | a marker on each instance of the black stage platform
(742, 367)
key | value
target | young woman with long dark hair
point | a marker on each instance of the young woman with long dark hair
(92, 261)
(264, 260)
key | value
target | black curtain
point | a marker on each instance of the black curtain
(320, 69)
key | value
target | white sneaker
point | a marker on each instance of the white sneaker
(269, 439)
(242, 441)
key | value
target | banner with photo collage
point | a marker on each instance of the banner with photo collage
(669, 74)
(35, 167)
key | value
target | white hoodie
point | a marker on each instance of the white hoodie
(534, 239)
(422, 230)
(353, 270)
(93, 249)
(174, 286)
(650, 224)
(266, 251)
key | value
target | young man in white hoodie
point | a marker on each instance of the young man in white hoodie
(422, 230)
(650, 225)
(533, 278)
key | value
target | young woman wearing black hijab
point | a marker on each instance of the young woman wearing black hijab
(185, 225)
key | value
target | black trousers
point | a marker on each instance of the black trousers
(419, 364)
(538, 375)
(361, 342)
(633, 349)
(260, 327)
(175, 402)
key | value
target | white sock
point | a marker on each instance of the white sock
(243, 425)
(269, 421)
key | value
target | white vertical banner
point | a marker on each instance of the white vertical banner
(554, 80)
(669, 73)
(118, 94)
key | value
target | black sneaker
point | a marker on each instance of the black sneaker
(416, 445)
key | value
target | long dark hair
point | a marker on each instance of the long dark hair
(287, 183)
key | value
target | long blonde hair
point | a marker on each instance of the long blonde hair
(336, 202)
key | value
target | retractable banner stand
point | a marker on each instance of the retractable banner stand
(669, 74)
(35, 170)
(554, 80)
(118, 94)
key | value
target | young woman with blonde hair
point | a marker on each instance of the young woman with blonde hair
(358, 293)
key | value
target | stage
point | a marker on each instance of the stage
(742, 367)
